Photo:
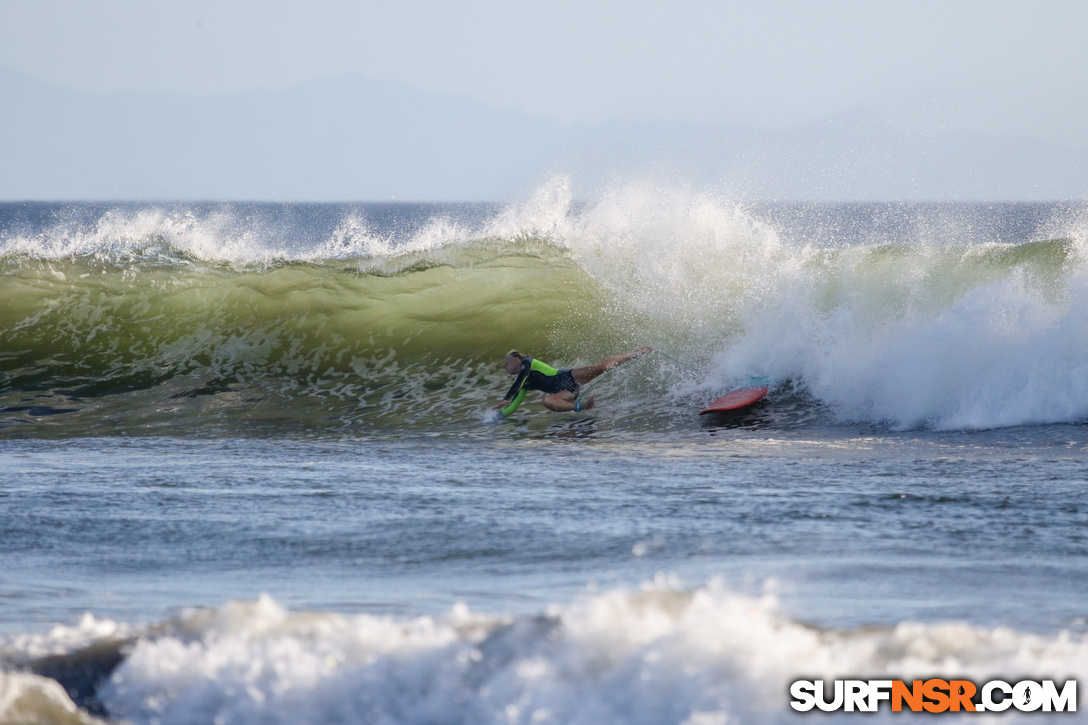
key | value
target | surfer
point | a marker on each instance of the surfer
(561, 387)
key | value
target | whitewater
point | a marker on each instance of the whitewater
(250, 471)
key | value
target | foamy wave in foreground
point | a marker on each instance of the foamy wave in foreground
(655, 656)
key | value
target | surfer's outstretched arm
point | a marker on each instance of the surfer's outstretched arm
(508, 405)
(589, 372)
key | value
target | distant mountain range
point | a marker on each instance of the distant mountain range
(351, 138)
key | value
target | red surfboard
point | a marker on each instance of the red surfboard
(736, 400)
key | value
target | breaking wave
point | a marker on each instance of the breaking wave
(387, 318)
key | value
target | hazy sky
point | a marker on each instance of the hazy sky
(989, 65)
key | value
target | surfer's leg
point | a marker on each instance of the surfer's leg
(587, 373)
(565, 401)
(561, 402)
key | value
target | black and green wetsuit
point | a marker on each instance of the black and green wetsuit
(535, 375)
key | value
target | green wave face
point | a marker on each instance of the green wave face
(313, 343)
(149, 332)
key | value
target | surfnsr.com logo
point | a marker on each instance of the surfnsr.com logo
(934, 695)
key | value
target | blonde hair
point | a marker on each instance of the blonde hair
(515, 353)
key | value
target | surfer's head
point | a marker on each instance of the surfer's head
(513, 361)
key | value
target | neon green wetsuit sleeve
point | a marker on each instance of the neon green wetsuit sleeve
(514, 403)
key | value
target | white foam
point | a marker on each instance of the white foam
(676, 255)
(492, 417)
(63, 638)
(658, 655)
(896, 348)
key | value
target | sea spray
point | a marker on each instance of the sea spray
(960, 337)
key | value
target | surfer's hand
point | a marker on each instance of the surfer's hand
(502, 404)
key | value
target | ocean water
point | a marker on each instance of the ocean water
(249, 470)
